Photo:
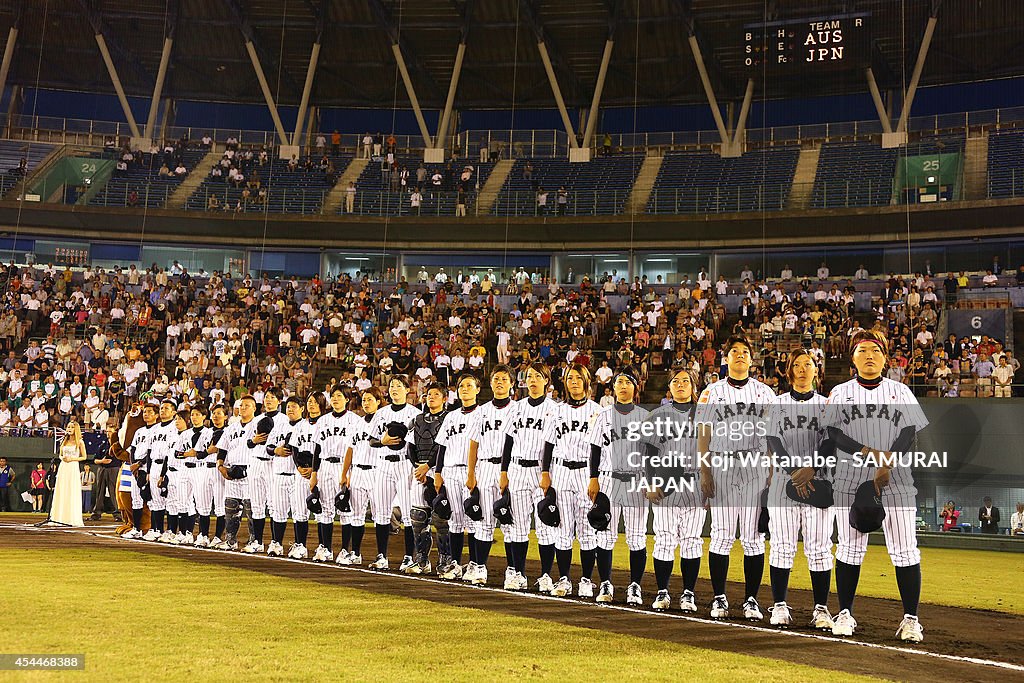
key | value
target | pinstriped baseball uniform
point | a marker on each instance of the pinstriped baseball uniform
(139, 449)
(569, 431)
(287, 492)
(162, 442)
(489, 434)
(361, 476)
(679, 516)
(393, 471)
(334, 432)
(454, 435)
(209, 486)
(261, 478)
(875, 417)
(527, 432)
(180, 475)
(736, 415)
(611, 432)
(234, 441)
(798, 425)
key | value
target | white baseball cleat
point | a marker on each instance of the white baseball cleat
(845, 624)
(480, 578)
(633, 595)
(421, 568)
(606, 593)
(585, 589)
(165, 537)
(202, 542)
(253, 548)
(910, 630)
(151, 535)
(563, 588)
(354, 559)
(216, 543)
(469, 572)
(342, 558)
(662, 601)
(752, 610)
(688, 602)
(231, 547)
(719, 607)
(510, 579)
(176, 539)
(188, 539)
(322, 554)
(380, 563)
(821, 620)
(132, 534)
(298, 552)
(451, 571)
(545, 584)
(406, 565)
(275, 549)
(522, 583)
(780, 615)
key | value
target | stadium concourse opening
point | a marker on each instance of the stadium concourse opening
(530, 309)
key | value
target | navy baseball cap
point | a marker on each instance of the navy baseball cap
(472, 506)
(503, 508)
(313, 501)
(867, 513)
(237, 472)
(442, 506)
(429, 492)
(397, 430)
(547, 508)
(343, 501)
(821, 497)
(600, 516)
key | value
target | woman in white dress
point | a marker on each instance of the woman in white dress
(67, 495)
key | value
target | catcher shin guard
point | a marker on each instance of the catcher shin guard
(421, 531)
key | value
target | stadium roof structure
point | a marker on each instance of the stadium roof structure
(651, 62)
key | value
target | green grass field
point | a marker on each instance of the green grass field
(216, 623)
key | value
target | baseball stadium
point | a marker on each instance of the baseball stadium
(512, 339)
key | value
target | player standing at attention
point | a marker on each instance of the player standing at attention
(140, 463)
(162, 442)
(731, 414)
(195, 440)
(261, 474)
(611, 472)
(486, 444)
(177, 479)
(214, 482)
(233, 450)
(285, 498)
(566, 455)
(450, 472)
(357, 474)
(795, 429)
(423, 456)
(872, 416)
(520, 475)
(678, 514)
(394, 472)
(334, 433)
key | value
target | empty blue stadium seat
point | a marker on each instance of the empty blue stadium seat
(597, 188)
(1006, 164)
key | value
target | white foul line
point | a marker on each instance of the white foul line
(563, 601)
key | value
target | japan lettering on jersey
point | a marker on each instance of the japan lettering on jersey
(198, 439)
(798, 424)
(455, 433)
(334, 433)
(569, 430)
(361, 451)
(140, 443)
(282, 436)
(616, 433)
(234, 442)
(527, 429)
(489, 429)
(275, 426)
(163, 440)
(736, 414)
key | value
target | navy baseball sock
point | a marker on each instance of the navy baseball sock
(137, 518)
(821, 582)
(328, 536)
(780, 583)
(638, 564)
(690, 568)
(258, 526)
(172, 523)
(346, 536)
(471, 543)
(357, 537)
(604, 564)
(219, 527)
(382, 531)
(521, 548)
(158, 520)
(564, 558)
(587, 559)
(718, 566)
(662, 573)
(483, 551)
(277, 530)
(510, 554)
(190, 523)
(455, 543)
(753, 572)
(301, 532)
(908, 579)
(410, 541)
(547, 558)
(847, 577)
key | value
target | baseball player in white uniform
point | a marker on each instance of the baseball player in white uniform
(795, 430)
(178, 470)
(357, 474)
(210, 490)
(334, 432)
(486, 444)
(564, 466)
(394, 472)
(612, 473)
(422, 453)
(261, 473)
(679, 512)
(140, 464)
(869, 417)
(732, 414)
(304, 448)
(520, 475)
(196, 440)
(287, 492)
(233, 450)
(450, 471)
(162, 442)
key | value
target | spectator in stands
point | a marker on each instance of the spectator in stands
(563, 201)
(861, 274)
(542, 201)
(133, 199)
(460, 201)
(982, 371)
(823, 271)
(1003, 377)
(997, 267)
(988, 515)
(392, 144)
(1020, 276)
(212, 203)
(990, 279)
(606, 144)
(415, 201)
(528, 171)
(164, 172)
(950, 516)
(924, 338)
(335, 142)
(378, 144)
(350, 197)
(1017, 521)
(787, 273)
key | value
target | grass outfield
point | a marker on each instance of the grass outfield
(975, 579)
(216, 623)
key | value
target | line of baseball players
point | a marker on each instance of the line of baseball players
(565, 470)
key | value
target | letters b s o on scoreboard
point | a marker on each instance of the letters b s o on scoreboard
(806, 45)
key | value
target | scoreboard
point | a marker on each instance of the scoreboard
(814, 44)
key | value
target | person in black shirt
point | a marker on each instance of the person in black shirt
(97, 447)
